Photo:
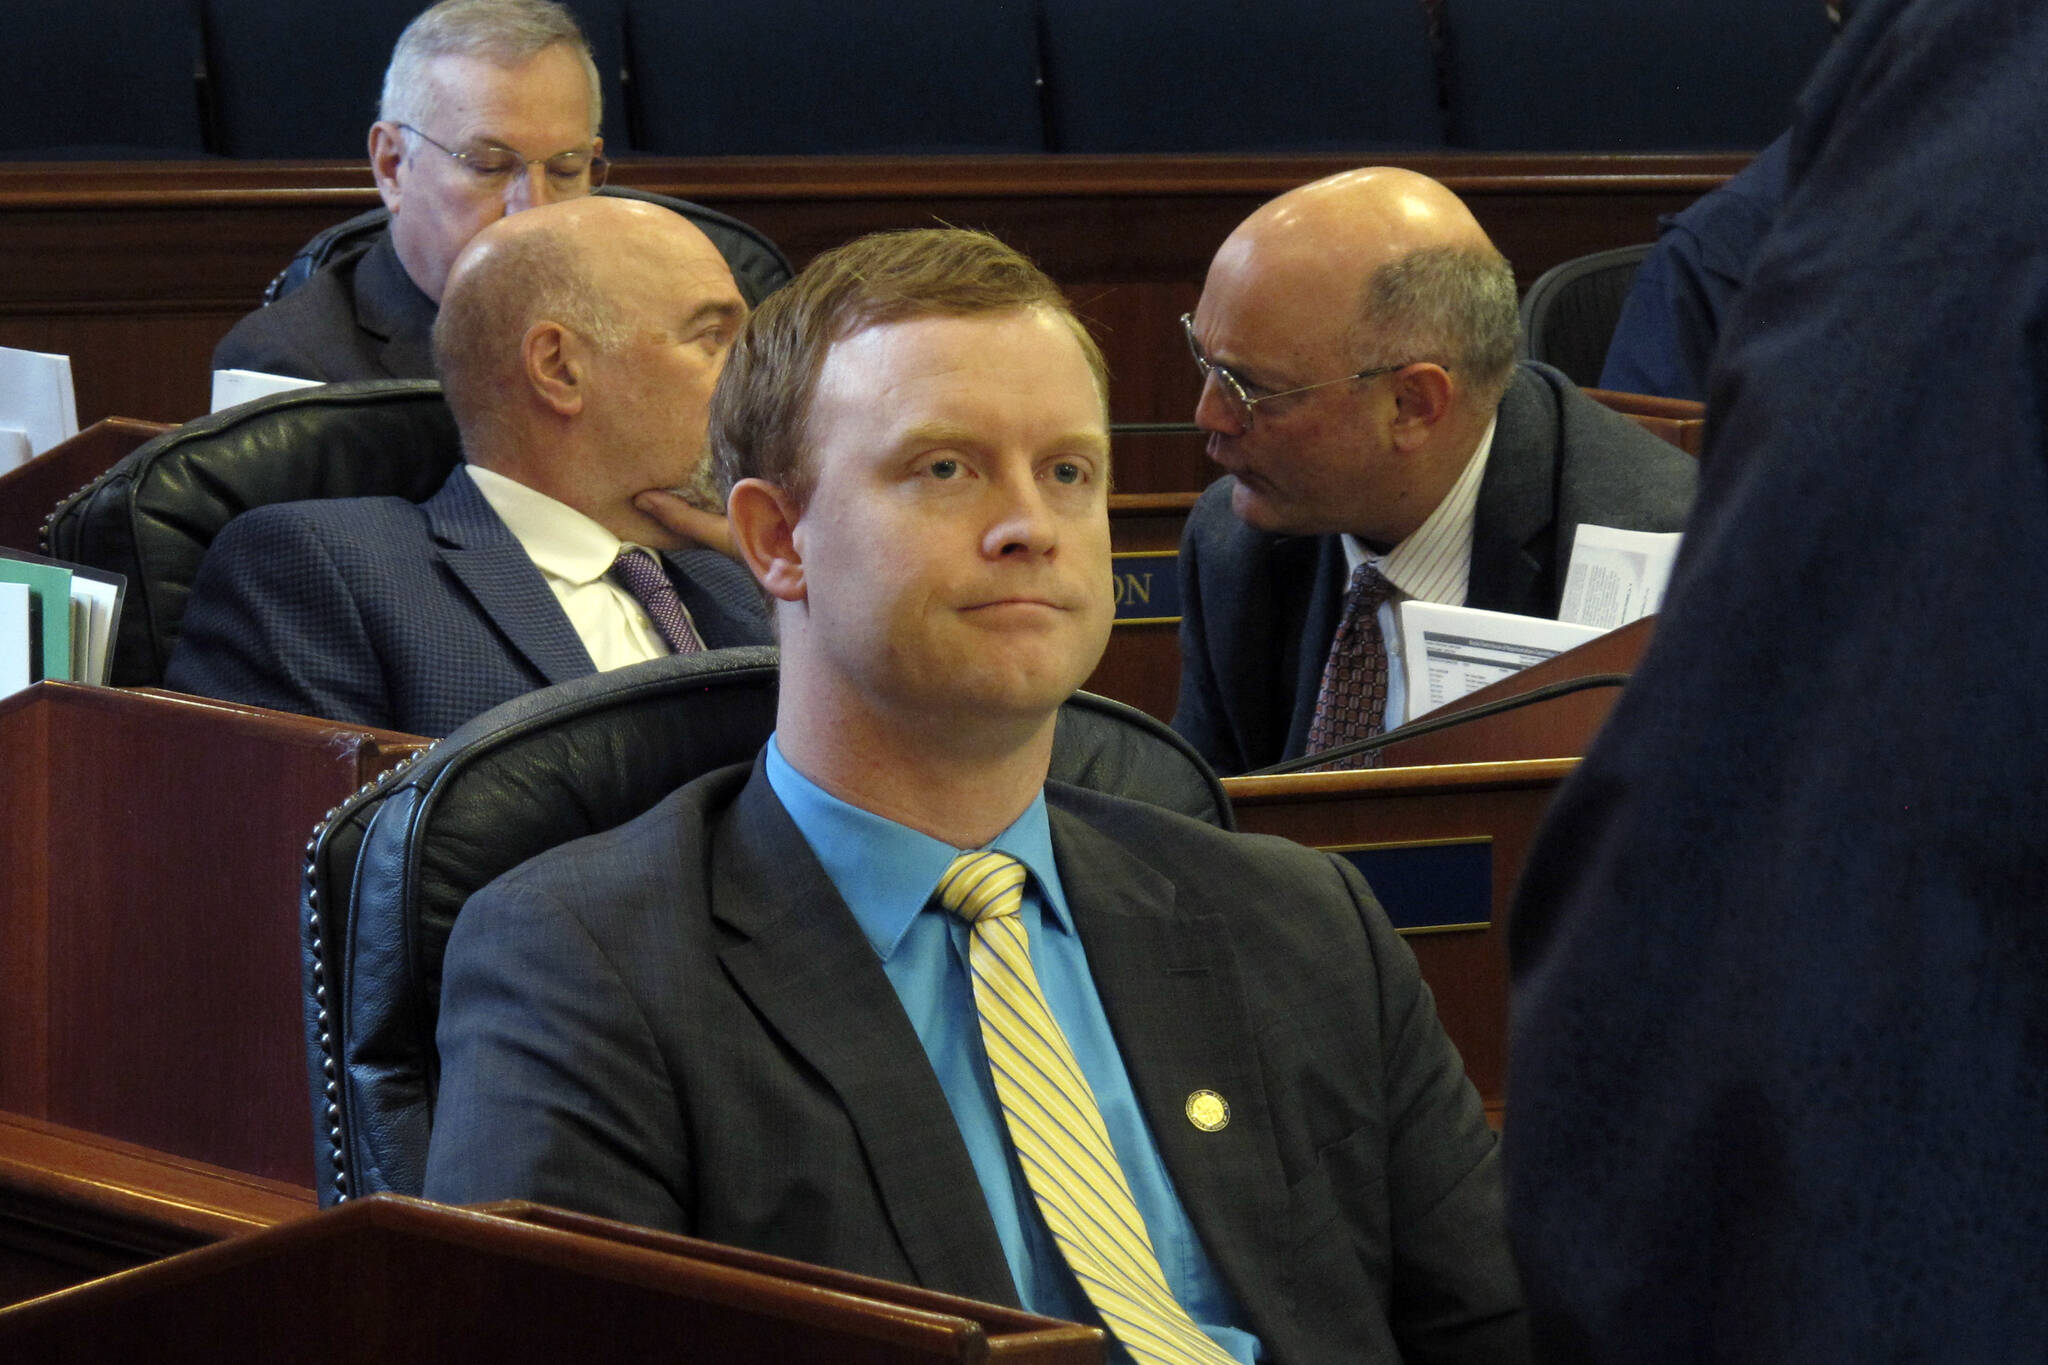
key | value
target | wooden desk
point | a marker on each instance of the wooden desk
(149, 944)
(387, 1278)
(75, 1206)
(30, 492)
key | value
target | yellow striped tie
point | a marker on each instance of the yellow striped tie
(1058, 1131)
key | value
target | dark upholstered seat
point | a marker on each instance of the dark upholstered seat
(1569, 313)
(152, 516)
(389, 872)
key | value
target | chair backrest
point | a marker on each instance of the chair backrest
(101, 79)
(1217, 76)
(302, 80)
(1624, 75)
(758, 265)
(1569, 313)
(389, 871)
(817, 77)
(152, 516)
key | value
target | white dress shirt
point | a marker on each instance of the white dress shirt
(575, 555)
(1434, 564)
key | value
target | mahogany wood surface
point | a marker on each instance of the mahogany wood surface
(1680, 421)
(75, 1206)
(387, 1278)
(30, 492)
(149, 946)
(1499, 802)
(136, 270)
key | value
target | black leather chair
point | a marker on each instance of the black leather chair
(1217, 76)
(389, 871)
(1569, 313)
(758, 265)
(152, 516)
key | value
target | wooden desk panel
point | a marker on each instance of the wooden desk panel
(30, 492)
(149, 946)
(75, 1206)
(385, 1279)
(135, 271)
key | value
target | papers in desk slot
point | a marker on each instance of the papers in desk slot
(1617, 576)
(36, 401)
(240, 386)
(17, 639)
(67, 627)
(1450, 651)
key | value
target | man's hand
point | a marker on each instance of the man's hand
(690, 522)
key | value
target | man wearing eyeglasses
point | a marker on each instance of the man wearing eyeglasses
(489, 107)
(1356, 339)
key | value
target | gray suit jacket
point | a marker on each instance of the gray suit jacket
(361, 318)
(410, 616)
(679, 1023)
(1259, 610)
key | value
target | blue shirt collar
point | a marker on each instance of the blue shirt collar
(885, 872)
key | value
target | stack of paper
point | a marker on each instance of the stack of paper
(37, 405)
(57, 620)
(1615, 577)
(231, 387)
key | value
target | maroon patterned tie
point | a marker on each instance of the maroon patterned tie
(1352, 702)
(648, 582)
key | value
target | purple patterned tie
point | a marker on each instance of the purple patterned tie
(648, 582)
(1352, 702)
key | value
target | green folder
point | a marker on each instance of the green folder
(49, 588)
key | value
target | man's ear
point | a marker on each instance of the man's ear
(1423, 393)
(387, 149)
(763, 518)
(556, 364)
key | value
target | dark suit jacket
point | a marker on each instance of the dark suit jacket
(680, 1024)
(1259, 610)
(411, 616)
(360, 318)
(1781, 954)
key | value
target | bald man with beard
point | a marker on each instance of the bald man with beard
(578, 344)
(1356, 338)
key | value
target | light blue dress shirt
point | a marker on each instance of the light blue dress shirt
(886, 874)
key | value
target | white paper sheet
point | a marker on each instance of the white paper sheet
(1448, 652)
(1617, 576)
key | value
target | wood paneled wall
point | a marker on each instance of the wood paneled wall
(135, 270)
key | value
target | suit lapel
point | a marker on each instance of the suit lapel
(799, 957)
(1517, 502)
(1170, 987)
(490, 562)
(391, 308)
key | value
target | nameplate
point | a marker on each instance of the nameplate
(1146, 587)
(1436, 887)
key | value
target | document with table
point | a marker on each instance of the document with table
(1615, 577)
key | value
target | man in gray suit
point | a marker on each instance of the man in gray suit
(489, 107)
(580, 343)
(746, 1016)
(1357, 341)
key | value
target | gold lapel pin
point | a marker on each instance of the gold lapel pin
(1208, 1111)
